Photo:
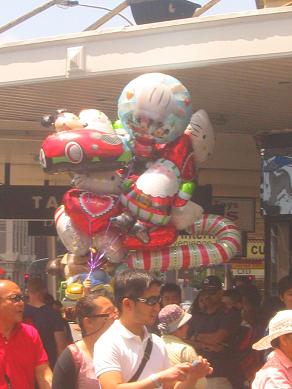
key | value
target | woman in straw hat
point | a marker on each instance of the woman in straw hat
(277, 371)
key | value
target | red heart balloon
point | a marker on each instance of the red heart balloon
(159, 237)
(89, 212)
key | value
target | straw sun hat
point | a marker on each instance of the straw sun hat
(279, 325)
(172, 317)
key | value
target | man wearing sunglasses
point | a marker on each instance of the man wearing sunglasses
(119, 353)
(23, 360)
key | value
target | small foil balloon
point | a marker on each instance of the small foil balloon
(201, 133)
(63, 121)
(155, 107)
(99, 182)
(96, 120)
(74, 264)
(75, 241)
(110, 243)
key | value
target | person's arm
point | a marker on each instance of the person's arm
(61, 341)
(65, 374)
(213, 338)
(181, 376)
(43, 376)
(59, 333)
(227, 326)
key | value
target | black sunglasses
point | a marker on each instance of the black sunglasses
(152, 300)
(100, 315)
(15, 298)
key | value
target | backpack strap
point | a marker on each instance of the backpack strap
(145, 359)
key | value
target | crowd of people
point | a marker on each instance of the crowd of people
(145, 339)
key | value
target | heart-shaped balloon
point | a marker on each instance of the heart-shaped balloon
(89, 212)
(162, 236)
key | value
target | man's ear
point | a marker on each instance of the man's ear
(127, 304)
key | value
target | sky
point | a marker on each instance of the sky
(58, 20)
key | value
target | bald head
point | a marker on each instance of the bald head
(11, 304)
(6, 286)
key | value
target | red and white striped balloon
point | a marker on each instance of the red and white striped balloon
(223, 230)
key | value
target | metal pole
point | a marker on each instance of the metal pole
(52, 280)
(115, 11)
(24, 17)
(204, 8)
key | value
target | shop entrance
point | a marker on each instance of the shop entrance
(278, 253)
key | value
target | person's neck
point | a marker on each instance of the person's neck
(87, 344)
(6, 328)
(35, 301)
(287, 353)
(134, 327)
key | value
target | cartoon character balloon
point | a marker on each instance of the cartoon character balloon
(156, 108)
(62, 120)
(201, 133)
(96, 120)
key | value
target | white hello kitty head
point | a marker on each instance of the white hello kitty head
(202, 135)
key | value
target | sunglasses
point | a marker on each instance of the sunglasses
(100, 315)
(152, 300)
(15, 298)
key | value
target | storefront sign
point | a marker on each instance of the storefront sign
(189, 239)
(255, 248)
(259, 273)
(248, 267)
(240, 210)
(30, 202)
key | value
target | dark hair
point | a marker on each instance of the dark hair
(195, 307)
(284, 284)
(233, 294)
(170, 287)
(36, 285)
(49, 299)
(132, 284)
(275, 343)
(251, 294)
(85, 307)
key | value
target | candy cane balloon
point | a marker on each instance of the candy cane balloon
(193, 255)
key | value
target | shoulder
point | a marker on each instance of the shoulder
(272, 375)
(110, 337)
(158, 344)
(28, 329)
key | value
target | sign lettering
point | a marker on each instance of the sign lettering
(255, 249)
(239, 210)
(30, 202)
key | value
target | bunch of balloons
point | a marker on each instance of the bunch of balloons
(133, 183)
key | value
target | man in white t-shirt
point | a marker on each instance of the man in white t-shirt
(119, 351)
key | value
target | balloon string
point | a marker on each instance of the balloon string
(97, 260)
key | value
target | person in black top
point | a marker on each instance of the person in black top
(45, 319)
(213, 332)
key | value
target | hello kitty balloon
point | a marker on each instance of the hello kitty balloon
(201, 133)
(155, 108)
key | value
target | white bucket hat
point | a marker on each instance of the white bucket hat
(279, 325)
(172, 317)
